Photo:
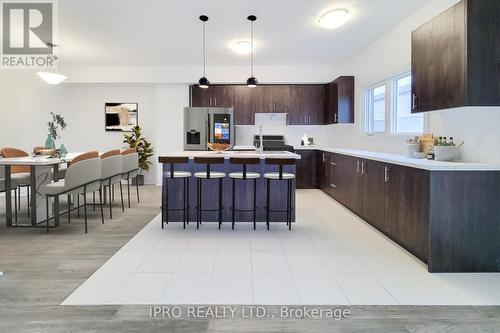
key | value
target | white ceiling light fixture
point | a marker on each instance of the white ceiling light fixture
(52, 76)
(334, 18)
(242, 47)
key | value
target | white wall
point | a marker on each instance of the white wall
(391, 55)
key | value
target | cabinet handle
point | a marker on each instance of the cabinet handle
(386, 174)
(357, 166)
(414, 103)
(324, 157)
(363, 171)
(332, 163)
(336, 118)
(333, 186)
(210, 103)
(215, 103)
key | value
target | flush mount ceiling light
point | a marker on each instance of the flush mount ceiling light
(252, 81)
(242, 47)
(52, 76)
(203, 82)
(334, 18)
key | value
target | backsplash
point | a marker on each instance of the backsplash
(293, 134)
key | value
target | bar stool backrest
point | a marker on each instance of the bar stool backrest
(14, 152)
(130, 160)
(85, 156)
(208, 161)
(172, 160)
(112, 164)
(280, 162)
(244, 161)
(87, 171)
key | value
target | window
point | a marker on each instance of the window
(404, 121)
(376, 110)
(388, 108)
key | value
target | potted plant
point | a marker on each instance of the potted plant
(57, 121)
(144, 149)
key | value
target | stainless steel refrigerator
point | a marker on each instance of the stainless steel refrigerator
(203, 125)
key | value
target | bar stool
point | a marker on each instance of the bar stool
(170, 175)
(244, 175)
(280, 176)
(208, 174)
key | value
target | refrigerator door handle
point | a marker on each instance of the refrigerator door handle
(207, 124)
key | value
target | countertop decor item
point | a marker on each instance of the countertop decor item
(143, 147)
(55, 124)
(446, 153)
(218, 147)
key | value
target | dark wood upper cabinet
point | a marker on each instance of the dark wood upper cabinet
(244, 105)
(214, 96)
(339, 106)
(307, 104)
(456, 58)
(272, 98)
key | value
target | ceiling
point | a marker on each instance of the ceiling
(168, 32)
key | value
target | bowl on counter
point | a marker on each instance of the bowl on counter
(419, 155)
(218, 147)
(446, 153)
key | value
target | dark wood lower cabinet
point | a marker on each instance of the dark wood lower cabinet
(448, 219)
(306, 169)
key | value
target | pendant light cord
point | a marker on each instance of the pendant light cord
(204, 53)
(251, 53)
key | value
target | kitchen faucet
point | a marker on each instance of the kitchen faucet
(261, 145)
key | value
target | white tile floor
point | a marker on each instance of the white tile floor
(330, 257)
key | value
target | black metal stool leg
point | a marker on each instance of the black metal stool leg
(121, 196)
(184, 204)
(268, 193)
(128, 190)
(234, 202)
(110, 203)
(288, 205)
(93, 201)
(166, 201)
(85, 208)
(47, 211)
(198, 203)
(137, 189)
(187, 199)
(220, 202)
(101, 204)
(29, 206)
(254, 204)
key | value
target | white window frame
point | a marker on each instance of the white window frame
(390, 108)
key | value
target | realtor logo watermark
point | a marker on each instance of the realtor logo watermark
(27, 30)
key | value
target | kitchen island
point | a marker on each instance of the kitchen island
(173, 189)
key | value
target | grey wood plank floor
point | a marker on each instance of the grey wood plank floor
(42, 270)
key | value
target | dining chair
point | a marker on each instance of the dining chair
(111, 174)
(82, 177)
(2, 187)
(20, 175)
(130, 170)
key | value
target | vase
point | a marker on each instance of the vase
(63, 150)
(49, 143)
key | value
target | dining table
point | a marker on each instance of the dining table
(43, 170)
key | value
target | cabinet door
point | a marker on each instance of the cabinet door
(307, 104)
(200, 97)
(244, 105)
(324, 171)
(345, 97)
(373, 209)
(306, 169)
(438, 61)
(222, 96)
(407, 207)
(331, 104)
(281, 98)
(264, 102)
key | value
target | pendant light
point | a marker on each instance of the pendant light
(203, 82)
(252, 81)
(54, 75)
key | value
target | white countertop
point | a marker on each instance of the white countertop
(228, 154)
(405, 161)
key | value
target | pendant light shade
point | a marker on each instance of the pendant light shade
(252, 80)
(203, 82)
